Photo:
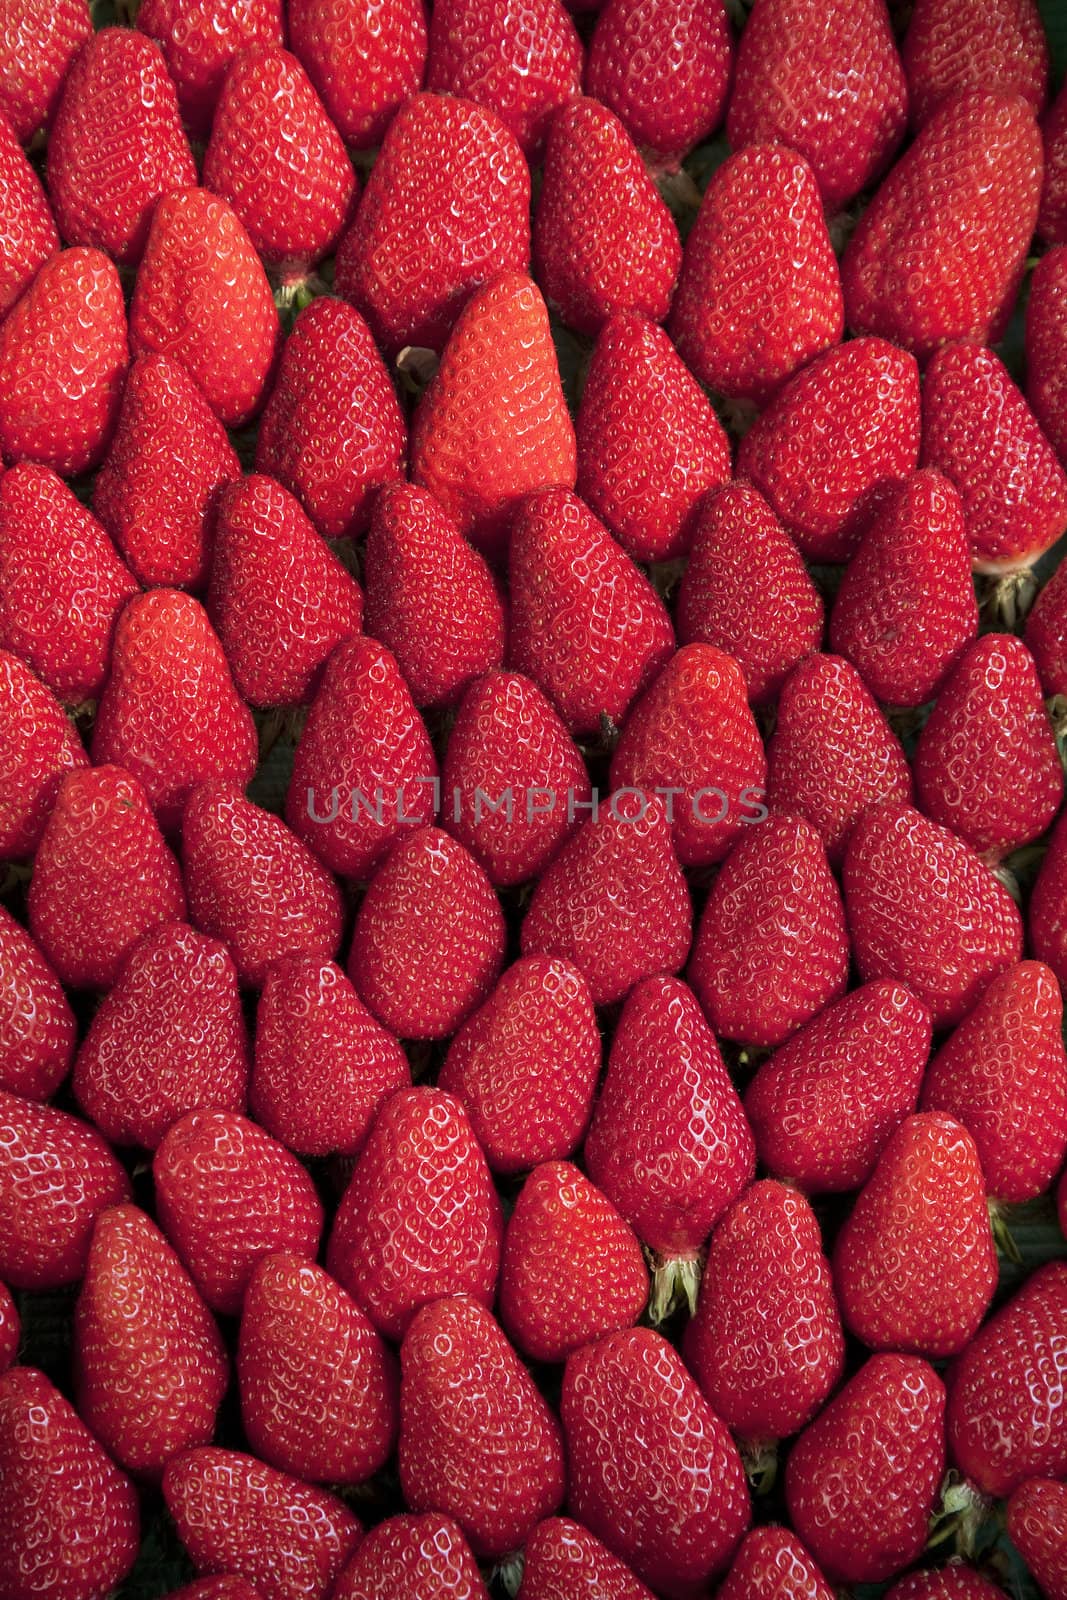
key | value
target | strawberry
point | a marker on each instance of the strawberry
(156, 492)
(746, 590)
(953, 46)
(771, 948)
(825, 80)
(1045, 633)
(202, 297)
(824, 1104)
(71, 1524)
(56, 1176)
(428, 943)
(37, 1027)
(525, 1065)
(38, 744)
(151, 1366)
(10, 1328)
(225, 1588)
(279, 597)
(446, 207)
(915, 1266)
(772, 1564)
(38, 42)
(653, 1471)
(477, 1441)
(835, 431)
(522, 74)
(168, 1038)
(664, 69)
(431, 599)
(975, 169)
(199, 39)
(766, 1344)
(277, 158)
(862, 1479)
(63, 360)
(906, 606)
(234, 1513)
(228, 1194)
(364, 59)
(572, 1269)
(980, 432)
(564, 1561)
(614, 901)
(692, 737)
(332, 431)
(318, 1386)
(28, 229)
(986, 764)
(364, 774)
(586, 624)
(952, 1582)
(420, 1217)
(756, 303)
(254, 884)
(102, 877)
(1006, 1420)
(1046, 348)
(116, 144)
(1037, 1525)
(323, 1066)
(493, 424)
(421, 1557)
(1052, 218)
(832, 752)
(603, 239)
(923, 908)
(649, 442)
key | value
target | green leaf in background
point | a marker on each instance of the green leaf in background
(1054, 16)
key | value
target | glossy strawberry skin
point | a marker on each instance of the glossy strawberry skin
(37, 1026)
(364, 60)
(564, 1561)
(1045, 633)
(952, 46)
(28, 233)
(772, 1564)
(38, 744)
(226, 1588)
(10, 1328)
(1046, 344)
(1037, 1525)
(199, 39)
(952, 1582)
(422, 1557)
(38, 43)
(1047, 924)
(1052, 218)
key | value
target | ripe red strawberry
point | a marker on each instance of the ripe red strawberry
(332, 431)
(228, 1194)
(277, 158)
(692, 737)
(430, 598)
(523, 74)
(572, 1269)
(225, 1588)
(202, 296)
(38, 744)
(906, 606)
(825, 80)
(421, 1557)
(832, 752)
(1052, 218)
(952, 46)
(772, 948)
(824, 1104)
(652, 1470)
(27, 228)
(364, 59)
(38, 42)
(318, 1386)
(446, 207)
(1046, 348)
(168, 1038)
(102, 877)
(156, 492)
(603, 240)
(420, 1217)
(236, 1514)
(71, 1524)
(766, 1344)
(477, 1440)
(63, 360)
(836, 430)
(614, 900)
(772, 1564)
(952, 1582)
(974, 169)
(986, 764)
(586, 624)
(199, 39)
(151, 1367)
(664, 69)
(493, 424)
(10, 1328)
(757, 300)
(1045, 633)
(1037, 1525)
(525, 1065)
(862, 1480)
(37, 1027)
(923, 908)
(253, 884)
(116, 144)
(1006, 1420)
(564, 1561)
(980, 432)
(1048, 906)
(56, 1176)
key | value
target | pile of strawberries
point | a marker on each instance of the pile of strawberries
(534, 910)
